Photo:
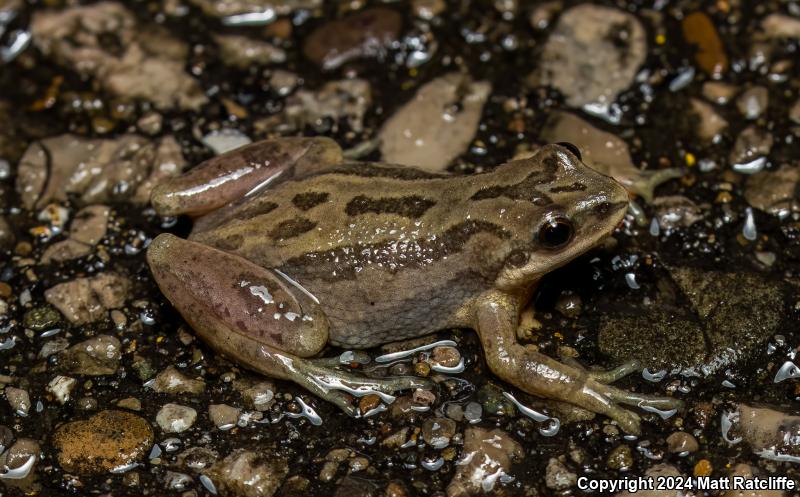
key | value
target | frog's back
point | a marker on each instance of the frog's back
(391, 252)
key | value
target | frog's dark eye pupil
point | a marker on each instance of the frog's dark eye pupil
(556, 233)
(572, 148)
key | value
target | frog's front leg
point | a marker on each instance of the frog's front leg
(496, 317)
(259, 318)
(233, 175)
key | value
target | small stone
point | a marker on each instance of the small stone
(244, 473)
(427, 9)
(485, 453)
(422, 369)
(367, 33)
(283, 82)
(150, 123)
(719, 92)
(90, 224)
(175, 418)
(244, 52)
(53, 346)
(473, 412)
(699, 30)
(96, 356)
(368, 403)
(710, 124)
(447, 357)
(423, 397)
(16, 456)
(256, 394)
(6, 235)
(131, 403)
(680, 441)
(751, 144)
(173, 381)
(569, 304)
(454, 412)
(109, 439)
(65, 250)
(395, 489)
(558, 476)
(620, 459)
(87, 404)
(437, 432)
(197, 459)
(86, 300)
(592, 55)
(223, 415)
(703, 468)
(774, 191)
(493, 402)
(753, 102)
(794, 115)
(61, 388)
(437, 125)
(19, 400)
(41, 318)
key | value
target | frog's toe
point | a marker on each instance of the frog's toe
(606, 376)
(664, 404)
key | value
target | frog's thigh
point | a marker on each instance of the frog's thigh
(234, 304)
(230, 176)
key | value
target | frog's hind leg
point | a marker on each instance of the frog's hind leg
(259, 318)
(235, 174)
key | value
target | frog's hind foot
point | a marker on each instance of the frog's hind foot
(339, 387)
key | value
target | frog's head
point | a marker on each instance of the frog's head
(556, 208)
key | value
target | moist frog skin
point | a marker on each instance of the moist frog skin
(294, 248)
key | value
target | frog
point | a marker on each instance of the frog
(295, 248)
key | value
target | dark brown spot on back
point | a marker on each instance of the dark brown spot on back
(574, 187)
(527, 189)
(309, 200)
(292, 228)
(411, 206)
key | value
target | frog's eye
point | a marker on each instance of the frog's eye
(572, 148)
(556, 232)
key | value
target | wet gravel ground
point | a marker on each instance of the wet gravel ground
(694, 106)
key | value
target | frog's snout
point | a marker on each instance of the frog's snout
(161, 250)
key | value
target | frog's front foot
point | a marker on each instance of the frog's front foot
(541, 375)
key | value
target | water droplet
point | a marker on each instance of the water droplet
(749, 231)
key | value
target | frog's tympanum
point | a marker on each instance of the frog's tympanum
(294, 248)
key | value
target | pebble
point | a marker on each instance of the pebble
(245, 52)
(569, 304)
(283, 82)
(493, 402)
(395, 489)
(486, 452)
(244, 473)
(448, 357)
(151, 123)
(367, 33)
(473, 412)
(131, 403)
(61, 387)
(90, 224)
(347, 99)
(751, 144)
(748, 472)
(256, 394)
(592, 55)
(454, 412)
(368, 403)
(752, 103)
(680, 441)
(710, 124)
(437, 432)
(86, 300)
(774, 191)
(19, 400)
(223, 415)
(95, 357)
(620, 458)
(428, 9)
(17, 456)
(197, 459)
(7, 237)
(437, 125)
(558, 476)
(144, 64)
(175, 418)
(124, 168)
(41, 318)
(769, 432)
(174, 382)
(699, 30)
(107, 440)
(719, 92)
(780, 26)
